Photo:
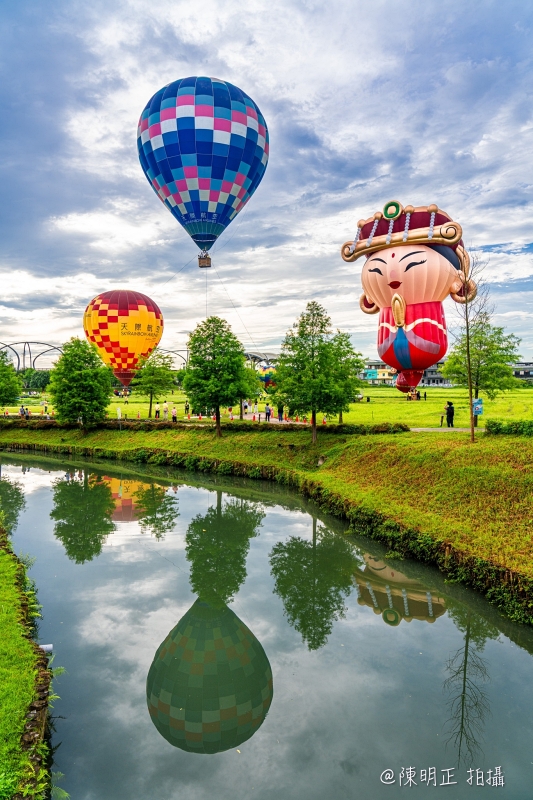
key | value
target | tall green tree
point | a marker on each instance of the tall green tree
(26, 375)
(35, 379)
(80, 385)
(82, 511)
(316, 368)
(313, 578)
(12, 502)
(347, 366)
(217, 544)
(157, 511)
(154, 377)
(491, 355)
(39, 379)
(216, 374)
(10, 381)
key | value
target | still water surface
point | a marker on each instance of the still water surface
(225, 639)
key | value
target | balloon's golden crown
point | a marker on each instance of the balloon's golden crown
(398, 225)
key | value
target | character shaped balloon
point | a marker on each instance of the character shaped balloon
(415, 258)
(203, 146)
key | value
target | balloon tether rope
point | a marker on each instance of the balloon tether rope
(234, 308)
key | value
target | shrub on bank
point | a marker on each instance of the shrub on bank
(495, 427)
(233, 427)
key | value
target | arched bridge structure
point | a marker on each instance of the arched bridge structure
(42, 355)
(255, 357)
(34, 355)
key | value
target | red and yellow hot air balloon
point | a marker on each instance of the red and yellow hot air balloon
(125, 326)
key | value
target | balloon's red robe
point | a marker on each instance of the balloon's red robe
(421, 342)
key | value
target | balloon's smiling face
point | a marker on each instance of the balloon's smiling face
(417, 273)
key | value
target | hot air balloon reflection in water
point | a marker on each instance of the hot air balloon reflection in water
(203, 146)
(415, 258)
(126, 326)
(210, 684)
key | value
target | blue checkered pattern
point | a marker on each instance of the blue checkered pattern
(203, 146)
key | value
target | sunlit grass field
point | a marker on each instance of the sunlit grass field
(386, 405)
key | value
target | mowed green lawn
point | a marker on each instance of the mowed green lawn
(389, 405)
(386, 405)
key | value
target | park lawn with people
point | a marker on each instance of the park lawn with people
(386, 405)
(475, 496)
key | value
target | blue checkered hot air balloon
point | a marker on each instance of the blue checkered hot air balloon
(203, 146)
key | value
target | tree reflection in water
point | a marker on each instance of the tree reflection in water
(83, 507)
(468, 704)
(313, 578)
(217, 544)
(12, 502)
(156, 510)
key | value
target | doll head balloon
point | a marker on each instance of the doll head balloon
(415, 258)
(416, 253)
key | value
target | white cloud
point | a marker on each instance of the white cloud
(118, 230)
(362, 106)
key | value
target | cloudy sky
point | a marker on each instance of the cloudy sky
(366, 101)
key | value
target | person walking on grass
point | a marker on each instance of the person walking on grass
(174, 414)
(165, 411)
(450, 413)
(157, 410)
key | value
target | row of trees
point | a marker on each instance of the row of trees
(317, 372)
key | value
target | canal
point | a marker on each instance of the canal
(224, 638)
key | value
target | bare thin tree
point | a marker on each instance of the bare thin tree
(474, 303)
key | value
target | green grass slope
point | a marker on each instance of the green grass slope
(477, 497)
(17, 675)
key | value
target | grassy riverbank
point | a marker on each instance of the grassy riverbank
(475, 499)
(20, 765)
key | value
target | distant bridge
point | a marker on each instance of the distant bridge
(26, 354)
(42, 355)
(257, 357)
